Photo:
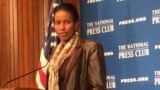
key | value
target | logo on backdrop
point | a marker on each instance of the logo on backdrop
(109, 53)
(157, 78)
(101, 26)
(134, 79)
(120, 0)
(139, 49)
(157, 47)
(111, 82)
(156, 16)
(93, 1)
(132, 21)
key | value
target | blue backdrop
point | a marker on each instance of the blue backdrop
(129, 31)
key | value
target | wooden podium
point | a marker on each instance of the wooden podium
(20, 89)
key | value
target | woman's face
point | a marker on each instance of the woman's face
(64, 25)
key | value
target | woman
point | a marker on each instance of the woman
(76, 63)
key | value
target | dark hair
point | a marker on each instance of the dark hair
(69, 8)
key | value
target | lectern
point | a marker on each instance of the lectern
(19, 89)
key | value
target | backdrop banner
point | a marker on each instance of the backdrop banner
(129, 31)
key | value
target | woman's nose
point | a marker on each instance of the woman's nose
(62, 26)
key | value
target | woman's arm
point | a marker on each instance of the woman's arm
(96, 68)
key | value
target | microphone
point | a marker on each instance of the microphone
(24, 75)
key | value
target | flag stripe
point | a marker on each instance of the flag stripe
(41, 74)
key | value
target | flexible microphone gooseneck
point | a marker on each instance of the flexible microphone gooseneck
(24, 75)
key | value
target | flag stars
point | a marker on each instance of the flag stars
(54, 5)
(53, 34)
(53, 44)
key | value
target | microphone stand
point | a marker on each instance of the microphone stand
(23, 75)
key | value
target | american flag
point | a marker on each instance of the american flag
(51, 40)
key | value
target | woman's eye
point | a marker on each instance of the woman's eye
(67, 22)
(56, 22)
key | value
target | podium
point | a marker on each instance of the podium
(20, 89)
